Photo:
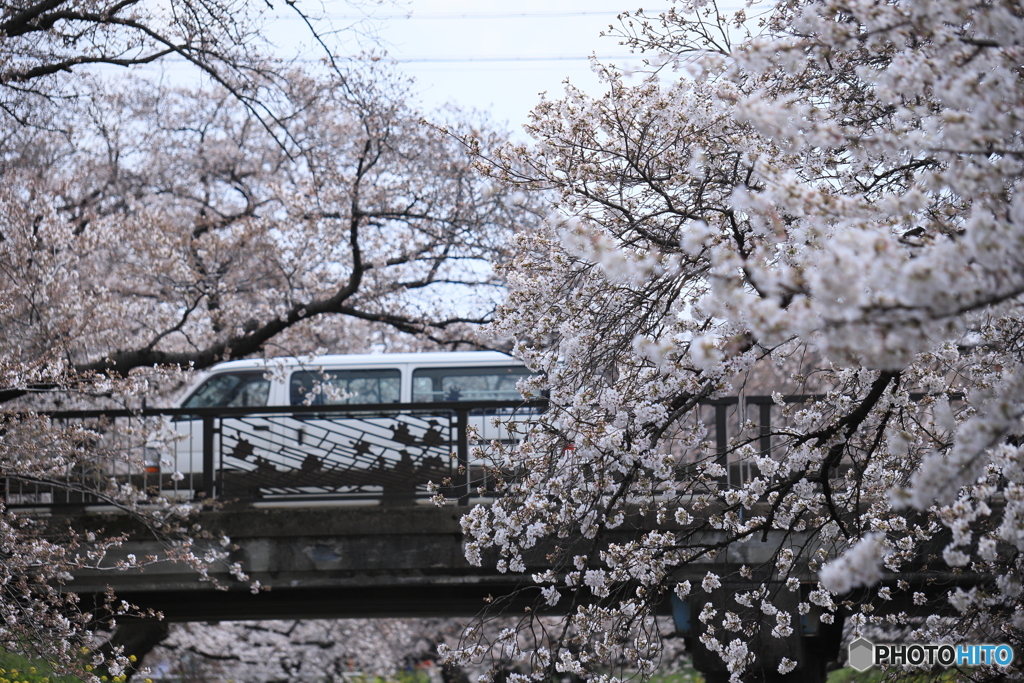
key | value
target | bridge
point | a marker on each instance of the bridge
(382, 454)
(328, 508)
(337, 561)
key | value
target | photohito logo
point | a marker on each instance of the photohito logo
(864, 654)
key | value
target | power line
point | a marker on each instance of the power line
(496, 15)
(176, 60)
(470, 60)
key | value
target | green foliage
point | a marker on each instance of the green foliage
(684, 675)
(15, 668)
(405, 676)
(847, 675)
(876, 675)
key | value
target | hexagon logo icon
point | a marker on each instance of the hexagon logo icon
(862, 654)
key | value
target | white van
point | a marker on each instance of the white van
(306, 452)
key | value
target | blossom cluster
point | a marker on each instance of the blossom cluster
(824, 202)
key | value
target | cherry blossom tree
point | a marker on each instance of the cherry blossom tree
(44, 549)
(50, 48)
(171, 229)
(304, 196)
(262, 210)
(810, 181)
(192, 238)
(321, 649)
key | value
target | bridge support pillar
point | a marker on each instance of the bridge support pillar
(136, 637)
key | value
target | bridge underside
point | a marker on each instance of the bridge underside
(378, 561)
(321, 562)
(322, 603)
(316, 562)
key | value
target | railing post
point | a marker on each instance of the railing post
(722, 439)
(208, 460)
(462, 451)
(766, 429)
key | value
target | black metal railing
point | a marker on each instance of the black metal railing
(388, 453)
(764, 422)
(392, 453)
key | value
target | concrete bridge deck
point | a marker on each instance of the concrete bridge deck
(335, 561)
(329, 561)
(338, 561)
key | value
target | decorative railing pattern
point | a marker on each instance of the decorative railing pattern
(386, 453)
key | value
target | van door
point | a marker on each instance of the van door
(469, 384)
(353, 454)
(252, 434)
(496, 383)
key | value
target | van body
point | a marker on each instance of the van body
(340, 450)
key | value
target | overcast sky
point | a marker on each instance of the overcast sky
(499, 56)
(492, 55)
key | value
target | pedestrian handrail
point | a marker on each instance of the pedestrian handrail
(393, 453)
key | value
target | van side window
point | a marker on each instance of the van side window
(467, 384)
(334, 387)
(231, 389)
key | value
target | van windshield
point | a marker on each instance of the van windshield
(231, 389)
(332, 387)
(467, 384)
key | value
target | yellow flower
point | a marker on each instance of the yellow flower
(88, 667)
(132, 658)
(83, 649)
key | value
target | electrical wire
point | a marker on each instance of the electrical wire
(463, 15)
